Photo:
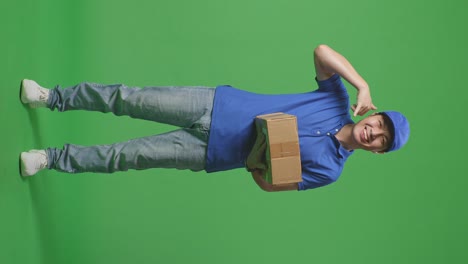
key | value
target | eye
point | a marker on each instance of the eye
(380, 124)
(384, 141)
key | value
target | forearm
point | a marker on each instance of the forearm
(332, 62)
(264, 185)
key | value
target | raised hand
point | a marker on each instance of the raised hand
(364, 102)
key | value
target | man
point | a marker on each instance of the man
(217, 126)
(327, 141)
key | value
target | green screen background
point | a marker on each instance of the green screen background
(404, 207)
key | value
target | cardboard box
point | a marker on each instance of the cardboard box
(282, 153)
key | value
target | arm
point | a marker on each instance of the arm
(257, 176)
(328, 62)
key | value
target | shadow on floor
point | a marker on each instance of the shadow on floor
(40, 200)
(34, 124)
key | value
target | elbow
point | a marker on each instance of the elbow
(321, 49)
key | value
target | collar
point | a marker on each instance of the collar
(341, 151)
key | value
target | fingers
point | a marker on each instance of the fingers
(357, 109)
(364, 103)
(361, 109)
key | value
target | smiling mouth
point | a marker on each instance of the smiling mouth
(365, 135)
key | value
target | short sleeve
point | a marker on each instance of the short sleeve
(333, 83)
(311, 180)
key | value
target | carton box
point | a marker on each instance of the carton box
(282, 152)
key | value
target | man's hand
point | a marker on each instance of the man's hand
(257, 164)
(256, 158)
(364, 102)
(264, 185)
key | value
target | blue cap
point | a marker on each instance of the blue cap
(399, 128)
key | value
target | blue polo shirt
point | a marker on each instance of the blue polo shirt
(320, 115)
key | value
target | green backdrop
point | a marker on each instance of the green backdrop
(404, 207)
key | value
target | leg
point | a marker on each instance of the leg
(179, 106)
(180, 149)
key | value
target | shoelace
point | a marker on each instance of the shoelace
(43, 96)
(43, 162)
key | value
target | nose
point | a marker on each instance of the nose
(378, 131)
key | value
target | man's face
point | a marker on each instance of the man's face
(372, 133)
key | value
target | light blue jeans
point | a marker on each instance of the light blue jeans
(186, 107)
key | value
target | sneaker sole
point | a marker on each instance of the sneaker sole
(22, 96)
(21, 92)
(21, 164)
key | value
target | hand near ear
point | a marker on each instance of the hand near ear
(364, 102)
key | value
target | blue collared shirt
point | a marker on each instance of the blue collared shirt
(320, 115)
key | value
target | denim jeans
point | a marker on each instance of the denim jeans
(186, 107)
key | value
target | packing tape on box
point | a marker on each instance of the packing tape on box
(285, 149)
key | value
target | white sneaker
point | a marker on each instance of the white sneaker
(33, 161)
(33, 94)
